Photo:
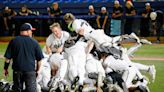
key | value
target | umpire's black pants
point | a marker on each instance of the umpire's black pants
(27, 78)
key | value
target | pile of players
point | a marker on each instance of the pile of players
(90, 61)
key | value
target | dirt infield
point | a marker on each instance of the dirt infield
(1, 56)
(147, 58)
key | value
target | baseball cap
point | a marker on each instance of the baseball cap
(91, 7)
(27, 26)
(116, 2)
(153, 15)
(147, 4)
(103, 8)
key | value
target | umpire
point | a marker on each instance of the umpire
(24, 51)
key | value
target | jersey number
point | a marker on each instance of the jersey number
(82, 23)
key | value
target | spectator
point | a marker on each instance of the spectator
(25, 11)
(7, 14)
(129, 12)
(23, 50)
(117, 11)
(116, 19)
(156, 23)
(145, 21)
(102, 19)
(54, 10)
(92, 14)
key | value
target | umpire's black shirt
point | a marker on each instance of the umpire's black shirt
(24, 51)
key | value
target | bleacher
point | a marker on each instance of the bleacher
(51, 1)
(77, 7)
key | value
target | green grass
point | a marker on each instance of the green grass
(2, 48)
(158, 85)
(154, 50)
(145, 51)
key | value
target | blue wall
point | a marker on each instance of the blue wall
(79, 7)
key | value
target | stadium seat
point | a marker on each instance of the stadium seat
(5, 1)
(32, 1)
(66, 1)
(51, 1)
(41, 1)
(85, 1)
(15, 1)
(58, 1)
(104, 0)
(23, 1)
(75, 1)
(94, 1)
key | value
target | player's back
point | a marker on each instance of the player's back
(81, 24)
(78, 48)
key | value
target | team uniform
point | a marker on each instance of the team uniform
(128, 70)
(98, 36)
(53, 42)
(44, 74)
(94, 69)
(61, 63)
(104, 43)
(76, 56)
(147, 68)
(56, 59)
(94, 66)
(131, 69)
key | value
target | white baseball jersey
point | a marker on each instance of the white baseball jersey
(77, 60)
(115, 64)
(98, 36)
(52, 40)
(129, 70)
(44, 75)
(81, 24)
(94, 66)
(58, 59)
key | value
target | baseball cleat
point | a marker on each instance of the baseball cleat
(74, 84)
(144, 41)
(134, 36)
(66, 88)
(80, 88)
(152, 72)
(143, 88)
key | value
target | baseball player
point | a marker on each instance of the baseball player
(128, 70)
(101, 40)
(98, 36)
(54, 44)
(77, 60)
(59, 67)
(147, 68)
(126, 65)
(76, 56)
(56, 39)
(44, 74)
(125, 57)
(94, 69)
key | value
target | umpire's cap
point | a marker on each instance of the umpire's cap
(27, 26)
